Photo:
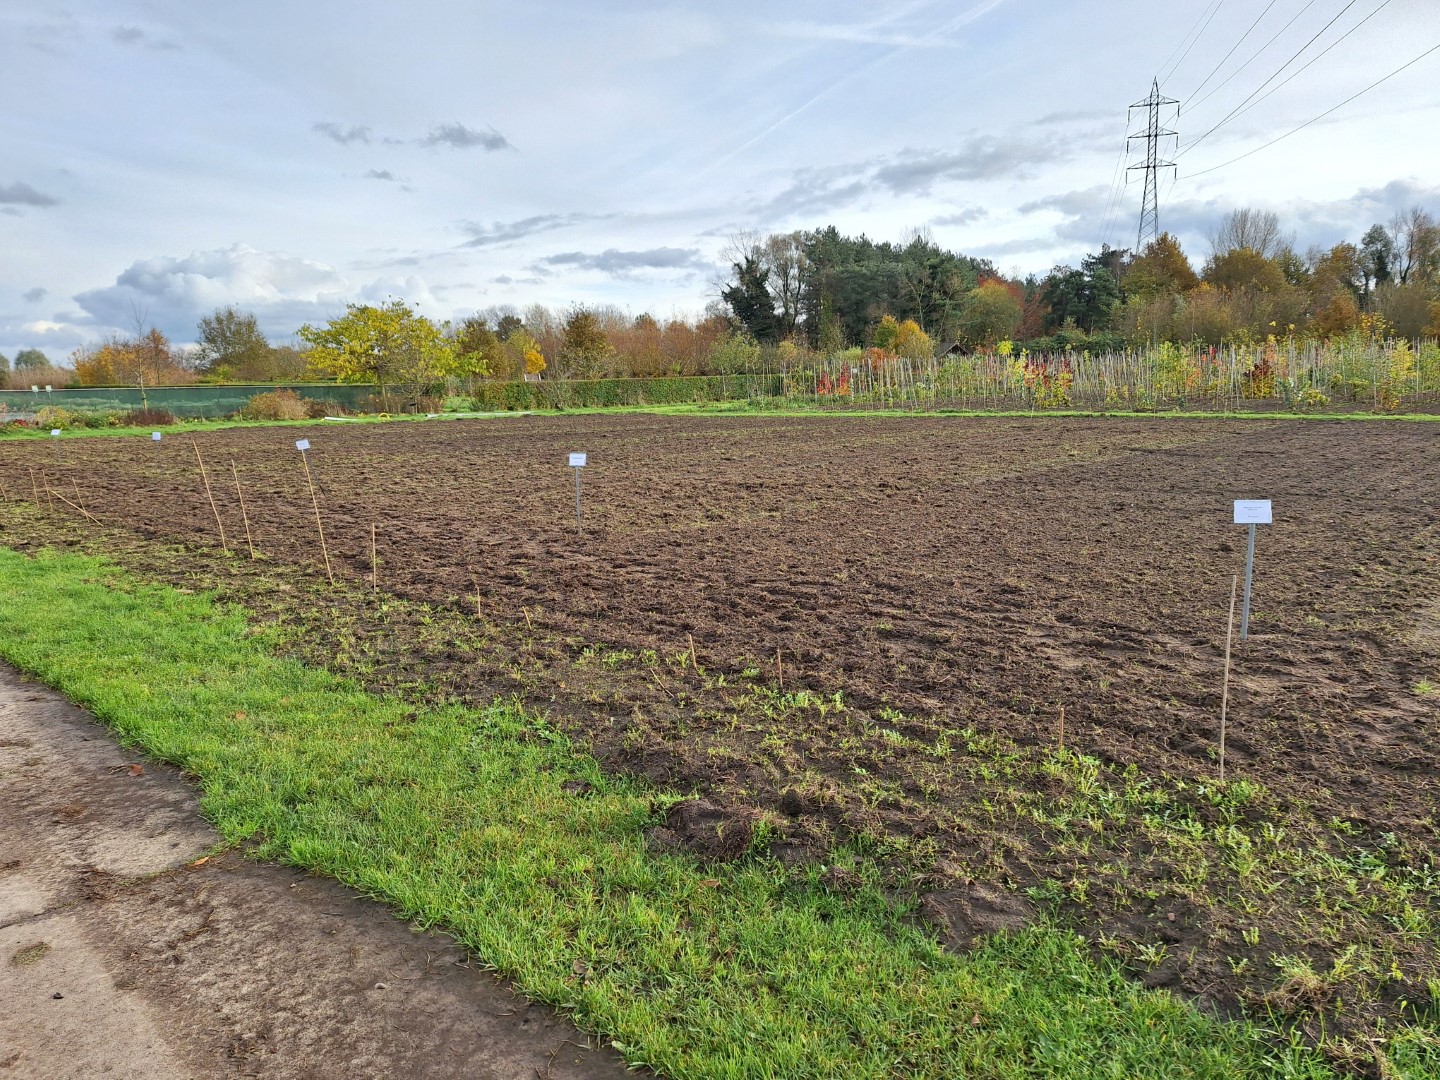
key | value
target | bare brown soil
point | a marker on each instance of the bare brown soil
(887, 617)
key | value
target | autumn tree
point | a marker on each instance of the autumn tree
(479, 352)
(143, 361)
(391, 346)
(911, 342)
(992, 313)
(885, 334)
(1244, 267)
(585, 352)
(524, 352)
(1161, 268)
(233, 348)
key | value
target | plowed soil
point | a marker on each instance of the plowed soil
(888, 616)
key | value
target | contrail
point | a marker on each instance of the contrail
(977, 11)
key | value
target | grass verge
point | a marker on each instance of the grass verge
(490, 824)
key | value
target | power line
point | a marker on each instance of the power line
(1166, 66)
(1112, 200)
(1327, 112)
(1253, 56)
(1213, 12)
(1232, 113)
(1317, 56)
(1231, 53)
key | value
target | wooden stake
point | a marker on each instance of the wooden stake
(477, 601)
(205, 476)
(76, 485)
(528, 624)
(49, 495)
(244, 516)
(374, 561)
(319, 528)
(67, 502)
(1062, 727)
(35, 486)
(694, 660)
(1225, 692)
(779, 670)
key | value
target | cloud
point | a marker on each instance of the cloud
(33, 295)
(505, 232)
(282, 290)
(341, 134)
(1091, 200)
(983, 157)
(967, 216)
(22, 194)
(460, 137)
(618, 263)
(380, 174)
(858, 34)
(136, 38)
(826, 189)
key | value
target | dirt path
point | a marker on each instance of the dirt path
(121, 958)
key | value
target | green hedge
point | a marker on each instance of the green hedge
(597, 393)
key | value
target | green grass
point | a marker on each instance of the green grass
(766, 407)
(460, 819)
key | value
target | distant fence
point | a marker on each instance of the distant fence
(200, 400)
(1383, 376)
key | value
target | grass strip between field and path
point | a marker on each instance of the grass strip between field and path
(489, 824)
(760, 408)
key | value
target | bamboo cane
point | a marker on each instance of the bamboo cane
(205, 476)
(319, 527)
(244, 516)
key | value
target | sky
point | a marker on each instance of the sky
(162, 159)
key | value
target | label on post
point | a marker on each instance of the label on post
(155, 436)
(1252, 512)
(577, 461)
(55, 432)
(302, 445)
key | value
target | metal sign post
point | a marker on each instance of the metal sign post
(55, 434)
(1251, 512)
(577, 462)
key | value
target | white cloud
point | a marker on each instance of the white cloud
(284, 291)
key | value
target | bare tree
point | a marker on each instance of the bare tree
(783, 255)
(1257, 230)
(1415, 238)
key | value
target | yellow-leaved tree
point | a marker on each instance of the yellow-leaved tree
(391, 346)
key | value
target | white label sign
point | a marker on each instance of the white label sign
(155, 436)
(302, 445)
(34, 389)
(1252, 512)
(55, 432)
(577, 461)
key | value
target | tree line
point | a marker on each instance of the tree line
(823, 292)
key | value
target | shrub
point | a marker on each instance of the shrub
(276, 405)
(148, 418)
(319, 408)
(52, 416)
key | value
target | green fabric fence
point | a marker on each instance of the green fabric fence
(201, 400)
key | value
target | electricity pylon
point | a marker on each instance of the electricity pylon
(1153, 133)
